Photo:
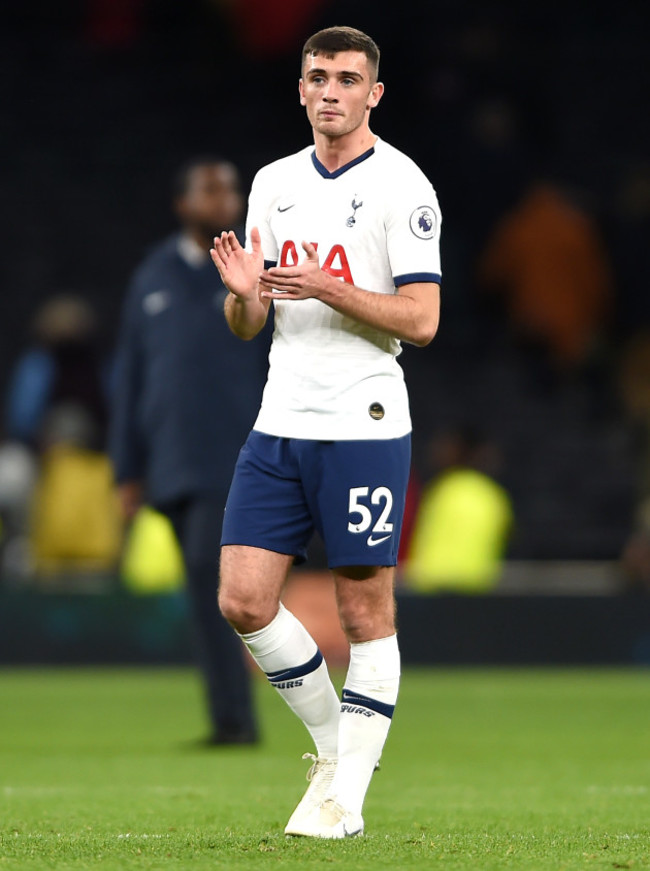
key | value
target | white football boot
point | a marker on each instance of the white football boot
(330, 821)
(320, 777)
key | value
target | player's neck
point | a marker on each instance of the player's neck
(337, 151)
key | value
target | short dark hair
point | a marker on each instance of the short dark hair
(181, 178)
(332, 40)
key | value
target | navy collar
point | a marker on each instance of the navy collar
(337, 172)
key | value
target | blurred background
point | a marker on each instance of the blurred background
(528, 523)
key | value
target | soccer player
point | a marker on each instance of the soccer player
(343, 241)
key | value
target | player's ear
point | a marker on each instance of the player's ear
(376, 93)
(301, 88)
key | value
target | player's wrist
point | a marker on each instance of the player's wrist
(242, 297)
(330, 290)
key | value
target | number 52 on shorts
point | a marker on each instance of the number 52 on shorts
(361, 516)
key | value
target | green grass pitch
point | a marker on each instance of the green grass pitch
(484, 769)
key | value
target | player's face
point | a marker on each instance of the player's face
(213, 200)
(338, 92)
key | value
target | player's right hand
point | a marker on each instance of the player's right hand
(239, 269)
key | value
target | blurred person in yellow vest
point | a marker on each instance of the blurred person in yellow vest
(463, 520)
(75, 523)
(56, 411)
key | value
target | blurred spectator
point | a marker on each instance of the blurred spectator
(152, 561)
(75, 522)
(62, 366)
(546, 259)
(629, 239)
(187, 394)
(635, 558)
(463, 520)
(57, 408)
(17, 478)
(634, 396)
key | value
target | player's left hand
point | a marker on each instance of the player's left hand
(303, 281)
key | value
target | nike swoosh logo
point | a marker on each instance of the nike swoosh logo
(371, 542)
(286, 208)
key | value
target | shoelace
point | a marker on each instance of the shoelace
(317, 764)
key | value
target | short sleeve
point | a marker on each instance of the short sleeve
(413, 233)
(257, 216)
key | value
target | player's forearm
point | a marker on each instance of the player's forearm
(245, 317)
(412, 315)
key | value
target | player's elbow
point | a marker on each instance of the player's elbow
(246, 336)
(424, 331)
(423, 339)
(245, 331)
(423, 313)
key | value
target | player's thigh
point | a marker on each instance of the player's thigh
(266, 505)
(251, 582)
(366, 601)
(358, 491)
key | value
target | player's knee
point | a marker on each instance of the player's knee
(362, 623)
(244, 614)
(234, 609)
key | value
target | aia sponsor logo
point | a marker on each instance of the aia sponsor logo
(336, 263)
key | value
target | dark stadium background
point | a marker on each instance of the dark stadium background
(102, 100)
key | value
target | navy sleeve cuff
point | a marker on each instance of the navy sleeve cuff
(416, 277)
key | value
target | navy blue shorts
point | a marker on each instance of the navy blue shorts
(351, 492)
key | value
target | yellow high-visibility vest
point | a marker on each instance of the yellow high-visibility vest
(460, 534)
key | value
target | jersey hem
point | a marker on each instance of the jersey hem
(323, 435)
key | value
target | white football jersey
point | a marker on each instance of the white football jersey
(376, 224)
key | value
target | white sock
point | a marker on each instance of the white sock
(294, 665)
(367, 705)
